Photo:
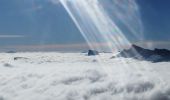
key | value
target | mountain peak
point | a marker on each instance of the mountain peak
(139, 53)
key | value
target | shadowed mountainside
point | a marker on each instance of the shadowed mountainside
(136, 52)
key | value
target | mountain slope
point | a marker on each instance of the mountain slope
(136, 52)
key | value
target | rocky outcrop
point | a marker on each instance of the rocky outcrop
(20, 58)
(93, 53)
(11, 52)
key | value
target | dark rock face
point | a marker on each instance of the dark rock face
(11, 52)
(136, 52)
(20, 58)
(93, 53)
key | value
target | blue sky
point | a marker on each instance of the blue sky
(29, 23)
(155, 16)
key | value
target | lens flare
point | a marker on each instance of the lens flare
(111, 22)
(105, 21)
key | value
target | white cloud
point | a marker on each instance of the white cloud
(11, 36)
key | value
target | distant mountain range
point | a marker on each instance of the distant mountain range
(136, 52)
